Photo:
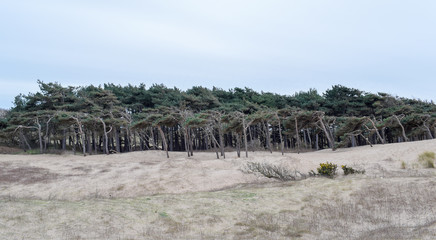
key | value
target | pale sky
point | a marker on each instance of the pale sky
(280, 46)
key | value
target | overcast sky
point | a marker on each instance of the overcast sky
(281, 46)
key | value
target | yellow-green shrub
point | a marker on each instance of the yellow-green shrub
(327, 169)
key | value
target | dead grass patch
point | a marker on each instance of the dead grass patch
(25, 175)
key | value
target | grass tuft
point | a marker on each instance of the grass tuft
(426, 159)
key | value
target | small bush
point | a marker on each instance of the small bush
(273, 171)
(403, 165)
(327, 169)
(426, 159)
(350, 170)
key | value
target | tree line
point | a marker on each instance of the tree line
(114, 118)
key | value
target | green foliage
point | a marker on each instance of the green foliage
(426, 159)
(327, 169)
(349, 170)
(345, 112)
(403, 165)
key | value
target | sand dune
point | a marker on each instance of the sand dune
(74, 177)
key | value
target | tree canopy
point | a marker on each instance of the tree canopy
(115, 118)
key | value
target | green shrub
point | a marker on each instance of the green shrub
(327, 169)
(403, 165)
(350, 170)
(426, 159)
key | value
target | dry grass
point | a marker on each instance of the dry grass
(140, 196)
(344, 208)
(426, 159)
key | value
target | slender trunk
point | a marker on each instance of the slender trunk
(215, 143)
(134, 141)
(382, 139)
(281, 137)
(427, 130)
(328, 134)
(25, 142)
(190, 142)
(154, 139)
(171, 139)
(353, 141)
(41, 148)
(297, 135)
(238, 145)
(64, 140)
(366, 139)
(267, 136)
(244, 128)
(185, 136)
(402, 128)
(309, 137)
(220, 133)
(106, 140)
(117, 139)
(164, 141)
(317, 141)
(94, 141)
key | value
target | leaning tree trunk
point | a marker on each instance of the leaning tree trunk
(427, 130)
(383, 141)
(366, 139)
(164, 141)
(25, 142)
(402, 128)
(328, 134)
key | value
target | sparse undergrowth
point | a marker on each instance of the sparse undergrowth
(426, 159)
(273, 171)
(349, 170)
(282, 173)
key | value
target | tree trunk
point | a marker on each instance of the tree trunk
(267, 136)
(164, 141)
(185, 136)
(41, 149)
(297, 135)
(220, 133)
(117, 139)
(382, 139)
(427, 130)
(94, 141)
(64, 140)
(282, 147)
(366, 139)
(328, 134)
(106, 140)
(244, 128)
(402, 128)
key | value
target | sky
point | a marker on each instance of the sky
(280, 46)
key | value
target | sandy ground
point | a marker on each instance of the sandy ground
(69, 177)
(143, 195)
